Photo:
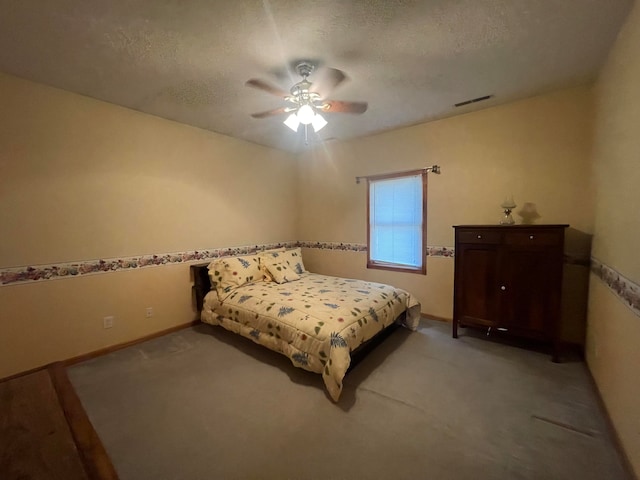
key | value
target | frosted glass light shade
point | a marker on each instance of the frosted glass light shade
(318, 122)
(509, 203)
(305, 114)
(292, 122)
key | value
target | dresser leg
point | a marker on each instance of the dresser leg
(555, 357)
(455, 328)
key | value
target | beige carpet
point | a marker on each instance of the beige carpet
(203, 403)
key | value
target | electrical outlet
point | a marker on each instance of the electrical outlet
(107, 322)
(148, 313)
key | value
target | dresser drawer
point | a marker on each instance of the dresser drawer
(534, 238)
(479, 236)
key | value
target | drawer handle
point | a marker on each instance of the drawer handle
(530, 237)
(503, 288)
(479, 236)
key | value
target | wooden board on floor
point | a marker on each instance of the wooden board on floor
(35, 439)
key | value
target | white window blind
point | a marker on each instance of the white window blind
(395, 221)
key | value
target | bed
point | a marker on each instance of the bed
(317, 321)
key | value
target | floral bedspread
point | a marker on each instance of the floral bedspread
(316, 321)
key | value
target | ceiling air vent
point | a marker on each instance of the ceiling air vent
(473, 100)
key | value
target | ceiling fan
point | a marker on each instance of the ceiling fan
(306, 100)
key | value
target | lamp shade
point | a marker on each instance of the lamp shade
(305, 114)
(318, 122)
(292, 122)
(508, 203)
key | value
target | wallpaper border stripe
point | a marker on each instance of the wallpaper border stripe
(55, 271)
(626, 290)
(432, 251)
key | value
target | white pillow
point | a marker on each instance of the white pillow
(282, 272)
(269, 256)
(294, 258)
(229, 273)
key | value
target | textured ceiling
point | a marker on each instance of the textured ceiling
(411, 60)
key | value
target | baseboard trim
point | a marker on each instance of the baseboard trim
(103, 351)
(119, 346)
(626, 462)
(24, 373)
(428, 316)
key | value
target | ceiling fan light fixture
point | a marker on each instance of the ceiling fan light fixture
(318, 122)
(306, 114)
(306, 100)
(292, 122)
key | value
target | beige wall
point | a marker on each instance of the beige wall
(83, 180)
(613, 351)
(536, 149)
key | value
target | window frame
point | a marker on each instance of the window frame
(395, 267)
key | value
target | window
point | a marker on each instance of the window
(397, 212)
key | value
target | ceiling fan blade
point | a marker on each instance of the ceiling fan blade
(329, 80)
(338, 106)
(264, 86)
(270, 113)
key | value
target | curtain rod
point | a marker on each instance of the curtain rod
(433, 169)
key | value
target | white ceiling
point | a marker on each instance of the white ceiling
(411, 60)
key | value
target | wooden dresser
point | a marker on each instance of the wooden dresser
(509, 279)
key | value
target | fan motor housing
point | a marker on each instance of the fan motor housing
(304, 69)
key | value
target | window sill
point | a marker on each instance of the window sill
(397, 268)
